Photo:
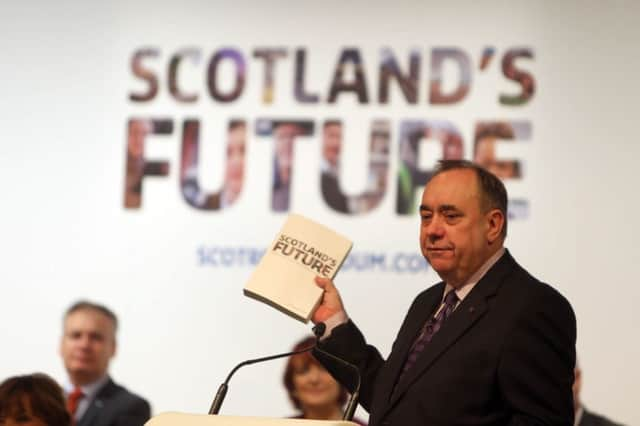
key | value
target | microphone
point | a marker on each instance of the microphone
(319, 330)
(222, 390)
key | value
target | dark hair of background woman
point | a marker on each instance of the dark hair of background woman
(41, 392)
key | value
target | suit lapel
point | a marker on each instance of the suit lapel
(462, 319)
(408, 334)
(470, 310)
(98, 403)
(91, 413)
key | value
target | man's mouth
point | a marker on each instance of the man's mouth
(439, 252)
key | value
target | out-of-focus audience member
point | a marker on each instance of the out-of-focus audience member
(32, 400)
(583, 417)
(311, 388)
(87, 346)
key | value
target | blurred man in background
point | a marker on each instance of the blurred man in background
(88, 344)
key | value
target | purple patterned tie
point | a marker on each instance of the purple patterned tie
(430, 328)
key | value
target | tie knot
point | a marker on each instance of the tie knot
(73, 400)
(451, 298)
(76, 395)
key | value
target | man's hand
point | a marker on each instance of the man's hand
(331, 302)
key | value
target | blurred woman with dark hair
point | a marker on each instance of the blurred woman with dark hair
(32, 400)
(311, 388)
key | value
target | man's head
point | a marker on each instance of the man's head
(285, 134)
(88, 341)
(138, 130)
(463, 219)
(487, 136)
(234, 174)
(331, 141)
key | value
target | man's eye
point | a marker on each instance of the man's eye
(97, 337)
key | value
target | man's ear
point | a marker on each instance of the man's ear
(495, 224)
(115, 347)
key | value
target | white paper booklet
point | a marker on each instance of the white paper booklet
(302, 250)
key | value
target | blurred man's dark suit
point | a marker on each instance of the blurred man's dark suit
(593, 419)
(116, 406)
(505, 356)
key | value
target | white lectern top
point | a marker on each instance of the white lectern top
(179, 419)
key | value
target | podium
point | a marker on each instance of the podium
(179, 419)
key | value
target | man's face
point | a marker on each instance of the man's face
(454, 232)
(331, 144)
(138, 130)
(234, 174)
(485, 154)
(87, 346)
(285, 135)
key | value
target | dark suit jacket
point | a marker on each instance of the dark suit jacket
(332, 193)
(505, 356)
(593, 419)
(116, 406)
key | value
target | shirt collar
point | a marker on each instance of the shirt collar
(89, 390)
(464, 290)
(578, 416)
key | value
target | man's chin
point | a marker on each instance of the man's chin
(440, 262)
(84, 376)
(81, 370)
(442, 267)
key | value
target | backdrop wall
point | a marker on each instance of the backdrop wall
(231, 106)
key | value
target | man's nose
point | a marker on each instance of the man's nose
(435, 229)
(84, 341)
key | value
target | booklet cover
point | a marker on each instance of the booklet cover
(284, 278)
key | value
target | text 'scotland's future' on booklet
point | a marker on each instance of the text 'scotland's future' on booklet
(302, 250)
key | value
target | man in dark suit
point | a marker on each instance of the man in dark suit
(88, 344)
(489, 345)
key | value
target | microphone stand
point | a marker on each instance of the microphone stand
(352, 404)
(318, 330)
(222, 390)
